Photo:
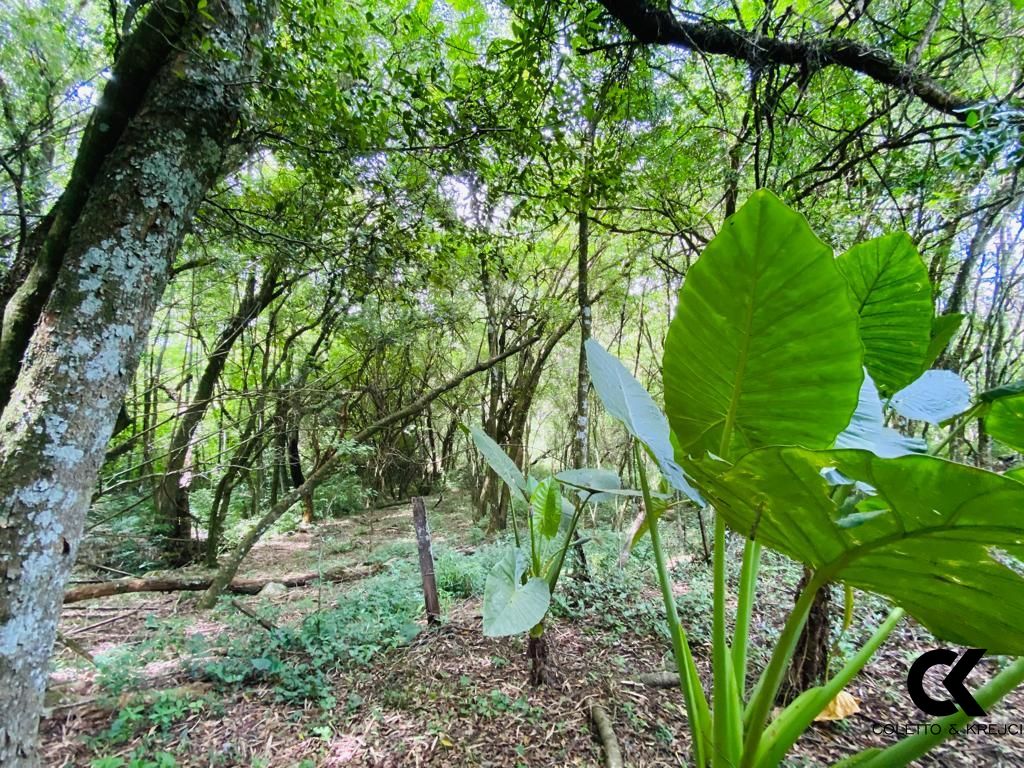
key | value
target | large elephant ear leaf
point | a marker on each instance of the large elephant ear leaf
(894, 300)
(867, 429)
(935, 397)
(510, 607)
(501, 463)
(943, 540)
(546, 508)
(1004, 416)
(764, 346)
(626, 400)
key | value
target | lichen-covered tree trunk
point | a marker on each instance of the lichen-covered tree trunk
(86, 345)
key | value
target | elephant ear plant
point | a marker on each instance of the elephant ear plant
(517, 593)
(775, 369)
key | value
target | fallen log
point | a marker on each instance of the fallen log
(658, 679)
(201, 583)
(603, 724)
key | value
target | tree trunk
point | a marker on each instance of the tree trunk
(430, 598)
(172, 505)
(116, 255)
(810, 659)
(330, 464)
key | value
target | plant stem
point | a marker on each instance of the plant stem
(795, 718)
(748, 589)
(768, 686)
(726, 710)
(956, 429)
(697, 710)
(569, 536)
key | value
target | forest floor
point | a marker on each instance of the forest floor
(350, 675)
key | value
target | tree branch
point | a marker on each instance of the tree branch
(652, 26)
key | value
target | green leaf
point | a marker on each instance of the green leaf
(510, 607)
(764, 345)
(947, 544)
(500, 462)
(594, 485)
(626, 400)
(935, 397)
(867, 428)
(944, 328)
(1017, 473)
(1003, 390)
(1005, 419)
(546, 505)
(894, 300)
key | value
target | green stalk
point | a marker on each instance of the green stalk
(748, 590)
(768, 686)
(569, 536)
(906, 750)
(534, 557)
(795, 718)
(515, 520)
(697, 710)
(957, 428)
(728, 728)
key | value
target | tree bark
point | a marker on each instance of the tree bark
(33, 277)
(430, 599)
(810, 658)
(86, 346)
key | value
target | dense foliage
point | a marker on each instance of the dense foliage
(390, 240)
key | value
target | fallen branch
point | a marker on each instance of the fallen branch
(603, 723)
(199, 584)
(253, 615)
(658, 679)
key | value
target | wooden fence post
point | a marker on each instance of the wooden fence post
(419, 516)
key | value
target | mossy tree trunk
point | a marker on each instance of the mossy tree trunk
(109, 251)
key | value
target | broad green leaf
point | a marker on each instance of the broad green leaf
(1004, 414)
(546, 506)
(1017, 473)
(626, 400)
(764, 345)
(894, 300)
(1004, 390)
(867, 428)
(500, 462)
(510, 607)
(1005, 421)
(944, 328)
(935, 397)
(594, 485)
(944, 541)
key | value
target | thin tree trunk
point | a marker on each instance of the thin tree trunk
(327, 468)
(172, 495)
(115, 257)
